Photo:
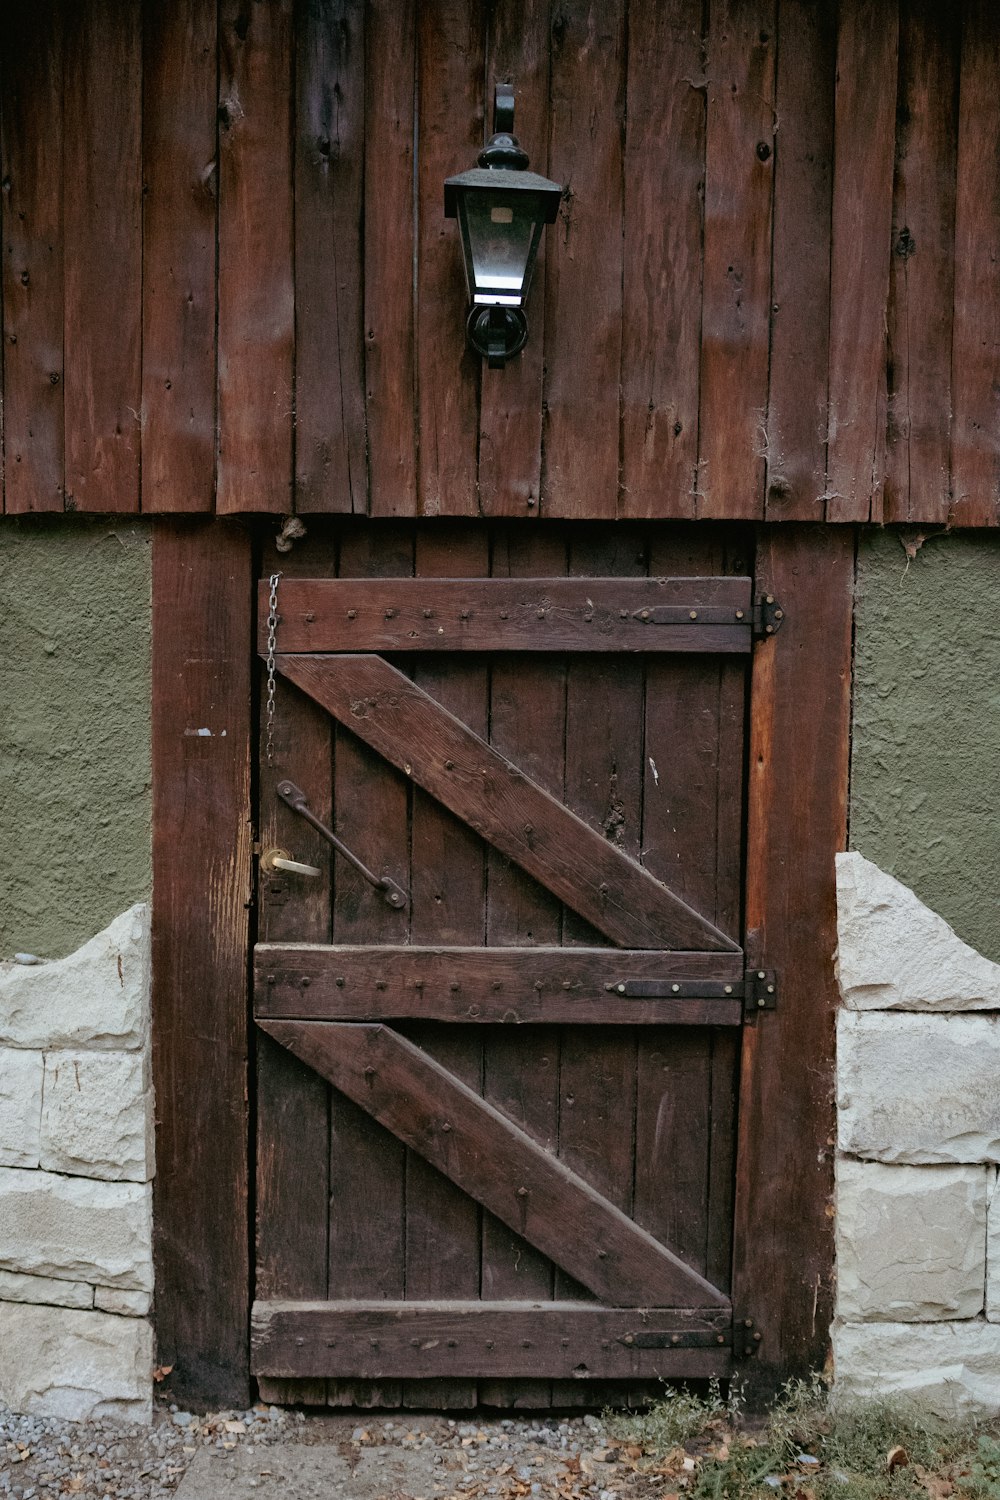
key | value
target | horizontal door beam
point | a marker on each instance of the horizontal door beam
(484, 1340)
(484, 1153)
(554, 986)
(511, 614)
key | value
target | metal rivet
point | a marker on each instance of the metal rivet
(748, 1322)
(761, 1004)
(522, 1192)
(739, 614)
(720, 1338)
(604, 887)
(779, 614)
(567, 984)
(538, 984)
(446, 1126)
(352, 614)
(629, 1338)
(728, 989)
(768, 629)
(770, 989)
(770, 598)
(675, 1339)
(693, 615)
(676, 988)
(531, 502)
(620, 988)
(761, 974)
(757, 1338)
(644, 614)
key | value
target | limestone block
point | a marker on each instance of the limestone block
(894, 953)
(993, 1253)
(76, 1228)
(97, 1117)
(951, 1369)
(20, 1107)
(918, 1089)
(15, 1287)
(79, 1366)
(125, 1304)
(97, 996)
(911, 1241)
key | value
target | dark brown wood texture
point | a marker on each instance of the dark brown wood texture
(799, 728)
(711, 615)
(495, 1162)
(202, 604)
(500, 802)
(509, 986)
(769, 293)
(569, 723)
(537, 1339)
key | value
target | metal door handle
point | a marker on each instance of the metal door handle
(280, 859)
(391, 893)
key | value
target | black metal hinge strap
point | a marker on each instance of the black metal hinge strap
(767, 615)
(392, 894)
(758, 990)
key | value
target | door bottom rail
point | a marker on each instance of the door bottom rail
(488, 1340)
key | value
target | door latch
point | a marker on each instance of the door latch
(392, 894)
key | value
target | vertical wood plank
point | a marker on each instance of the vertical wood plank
(736, 298)
(799, 752)
(202, 618)
(256, 312)
(367, 1164)
(448, 894)
(389, 246)
(331, 468)
(521, 1073)
(450, 49)
(864, 137)
(293, 1131)
(975, 448)
(664, 188)
(800, 292)
(922, 274)
(583, 279)
(510, 401)
(102, 250)
(31, 116)
(178, 256)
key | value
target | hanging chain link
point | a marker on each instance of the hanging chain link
(272, 632)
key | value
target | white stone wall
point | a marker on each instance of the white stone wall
(76, 1167)
(918, 1105)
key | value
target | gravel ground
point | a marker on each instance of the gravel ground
(268, 1452)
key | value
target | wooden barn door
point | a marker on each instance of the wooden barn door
(497, 1072)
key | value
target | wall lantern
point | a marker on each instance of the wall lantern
(502, 209)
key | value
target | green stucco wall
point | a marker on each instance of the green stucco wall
(74, 729)
(925, 782)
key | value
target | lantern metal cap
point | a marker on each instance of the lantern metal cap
(515, 180)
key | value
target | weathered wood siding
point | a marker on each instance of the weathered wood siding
(228, 283)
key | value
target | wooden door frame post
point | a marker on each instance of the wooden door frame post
(202, 653)
(800, 705)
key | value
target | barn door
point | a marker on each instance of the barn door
(498, 1028)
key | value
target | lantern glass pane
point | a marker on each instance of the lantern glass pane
(501, 234)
